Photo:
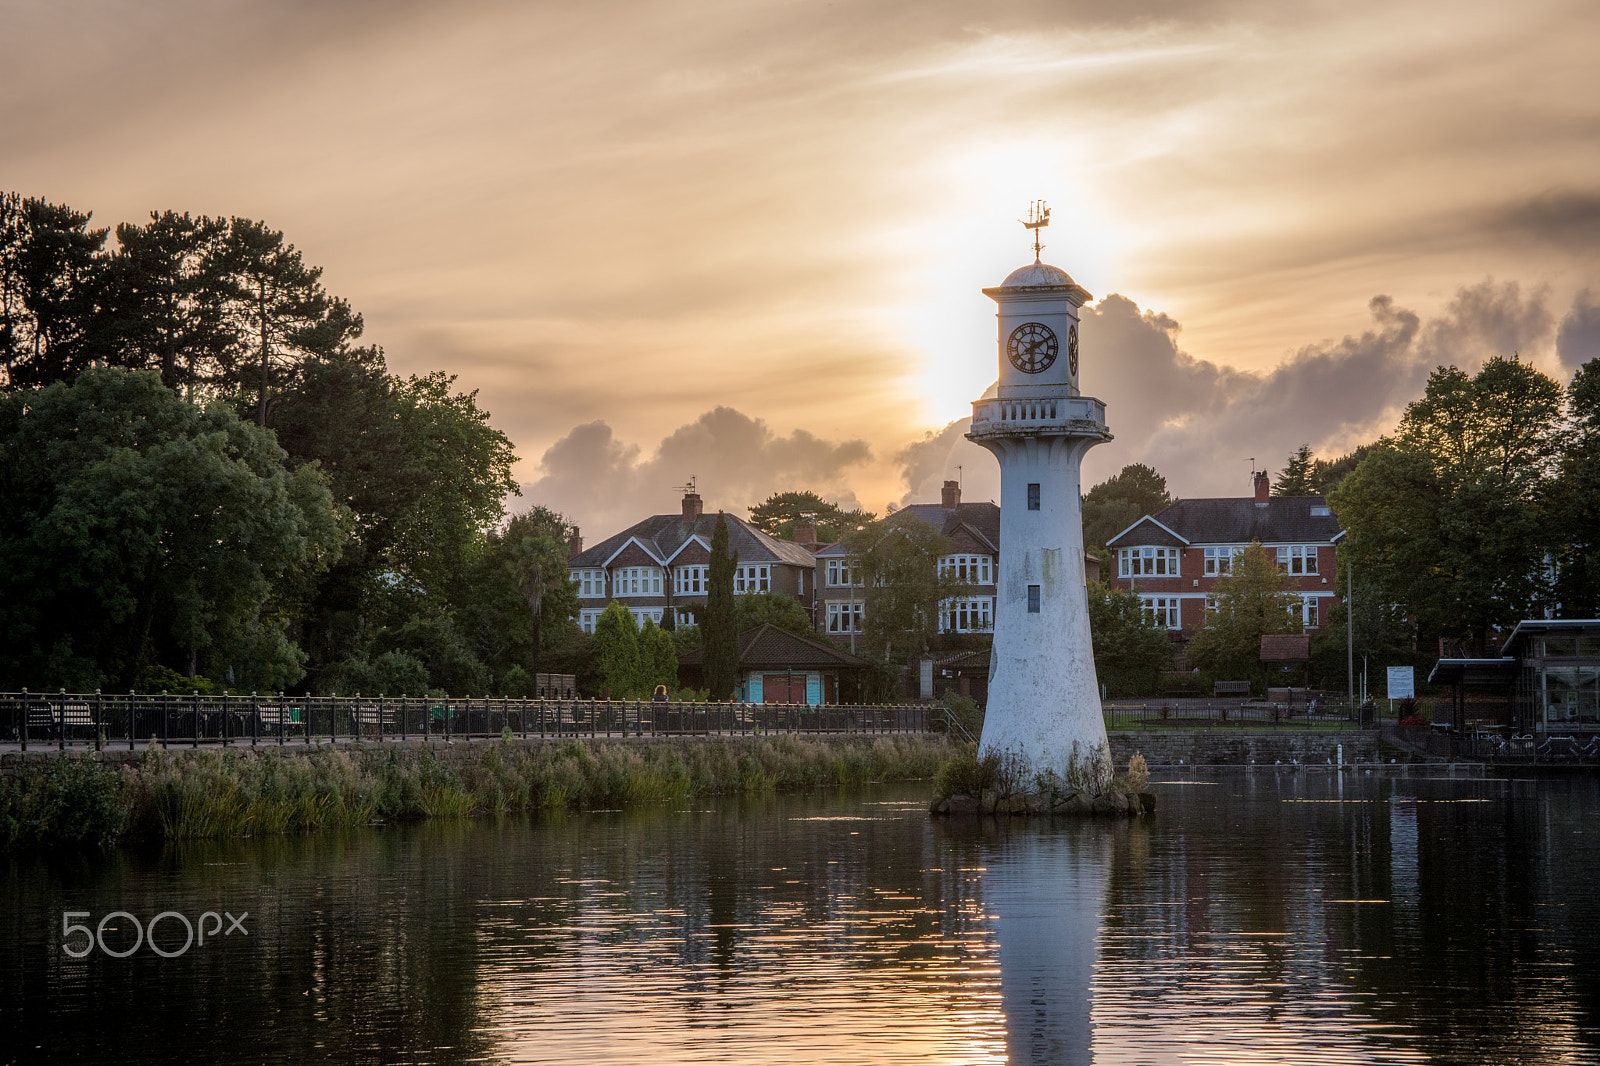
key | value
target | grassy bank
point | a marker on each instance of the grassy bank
(71, 799)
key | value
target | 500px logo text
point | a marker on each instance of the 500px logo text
(144, 934)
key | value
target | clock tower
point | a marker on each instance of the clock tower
(1044, 697)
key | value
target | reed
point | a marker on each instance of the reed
(243, 792)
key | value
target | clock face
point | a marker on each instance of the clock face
(1032, 347)
(1072, 349)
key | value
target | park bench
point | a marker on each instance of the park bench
(47, 719)
(280, 721)
(1230, 688)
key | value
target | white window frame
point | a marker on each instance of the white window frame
(1165, 611)
(1219, 561)
(1298, 560)
(972, 569)
(690, 580)
(845, 617)
(588, 617)
(840, 574)
(756, 577)
(1147, 562)
(968, 614)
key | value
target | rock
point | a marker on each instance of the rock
(961, 805)
(1110, 803)
(940, 806)
(1147, 800)
(1078, 803)
(1039, 803)
(1014, 804)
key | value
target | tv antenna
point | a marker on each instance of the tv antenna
(689, 488)
(1038, 219)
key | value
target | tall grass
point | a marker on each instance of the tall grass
(210, 794)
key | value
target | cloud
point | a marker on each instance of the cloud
(605, 485)
(1578, 339)
(1200, 423)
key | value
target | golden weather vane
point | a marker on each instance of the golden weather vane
(1038, 219)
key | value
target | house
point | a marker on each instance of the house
(1547, 680)
(1173, 559)
(973, 532)
(661, 563)
(776, 666)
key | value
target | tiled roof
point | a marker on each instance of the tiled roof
(664, 534)
(1284, 519)
(983, 519)
(767, 646)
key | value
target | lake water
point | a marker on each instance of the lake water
(1272, 919)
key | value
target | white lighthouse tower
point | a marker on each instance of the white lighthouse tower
(1043, 694)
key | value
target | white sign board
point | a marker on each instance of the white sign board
(1402, 683)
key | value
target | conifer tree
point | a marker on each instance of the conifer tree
(1296, 478)
(720, 634)
(616, 651)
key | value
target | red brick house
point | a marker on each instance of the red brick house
(1173, 559)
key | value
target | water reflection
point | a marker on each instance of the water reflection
(1293, 918)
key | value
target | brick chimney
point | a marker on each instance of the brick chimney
(574, 544)
(1263, 488)
(950, 498)
(805, 535)
(693, 507)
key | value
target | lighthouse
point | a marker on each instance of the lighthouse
(1043, 694)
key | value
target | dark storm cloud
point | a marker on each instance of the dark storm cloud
(1578, 339)
(737, 461)
(1568, 219)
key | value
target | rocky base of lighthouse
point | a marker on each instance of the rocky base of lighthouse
(1111, 804)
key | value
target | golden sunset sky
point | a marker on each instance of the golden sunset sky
(745, 241)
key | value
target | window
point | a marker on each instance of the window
(636, 581)
(1320, 511)
(840, 573)
(1306, 611)
(844, 617)
(971, 569)
(1162, 610)
(1298, 559)
(1033, 599)
(968, 616)
(752, 579)
(1220, 560)
(1211, 604)
(590, 582)
(1033, 496)
(1147, 562)
(587, 619)
(691, 580)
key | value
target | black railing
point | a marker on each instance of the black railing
(101, 720)
(1217, 713)
(1500, 746)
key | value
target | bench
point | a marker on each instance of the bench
(1230, 688)
(280, 721)
(368, 719)
(46, 719)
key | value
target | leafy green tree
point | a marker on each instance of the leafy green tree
(1447, 516)
(718, 622)
(1120, 501)
(1296, 478)
(1130, 648)
(1328, 474)
(781, 609)
(1573, 500)
(1251, 602)
(658, 658)
(616, 652)
(50, 272)
(780, 512)
(141, 529)
(899, 560)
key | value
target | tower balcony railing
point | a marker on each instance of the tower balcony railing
(1061, 413)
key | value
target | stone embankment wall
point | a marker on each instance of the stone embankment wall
(1244, 747)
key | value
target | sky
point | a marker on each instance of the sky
(745, 242)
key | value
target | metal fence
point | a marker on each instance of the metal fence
(1500, 746)
(1182, 713)
(102, 720)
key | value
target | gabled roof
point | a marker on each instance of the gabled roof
(1156, 535)
(639, 547)
(663, 535)
(768, 647)
(1284, 520)
(982, 519)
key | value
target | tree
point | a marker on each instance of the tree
(1120, 501)
(1573, 501)
(1296, 478)
(1250, 602)
(658, 658)
(1130, 648)
(1328, 474)
(616, 652)
(50, 268)
(719, 627)
(779, 513)
(899, 560)
(1447, 517)
(779, 608)
(141, 529)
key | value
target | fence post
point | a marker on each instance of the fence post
(194, 713)
(61, 722)
(128, 714)
(94, 722)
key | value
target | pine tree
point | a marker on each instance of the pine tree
(616, 651)
(1296, 478)
(658, 658)
(720, 634)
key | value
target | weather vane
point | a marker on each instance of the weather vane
(1038, 219)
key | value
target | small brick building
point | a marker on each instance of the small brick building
(1173, 559)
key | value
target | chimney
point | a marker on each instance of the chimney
(692, 506)
(574, 544)
(950, 498)
(805, 535)
(1263, 488)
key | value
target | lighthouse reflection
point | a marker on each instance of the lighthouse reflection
(1046, 891)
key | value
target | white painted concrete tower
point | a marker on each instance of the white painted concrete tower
(1043, 694)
